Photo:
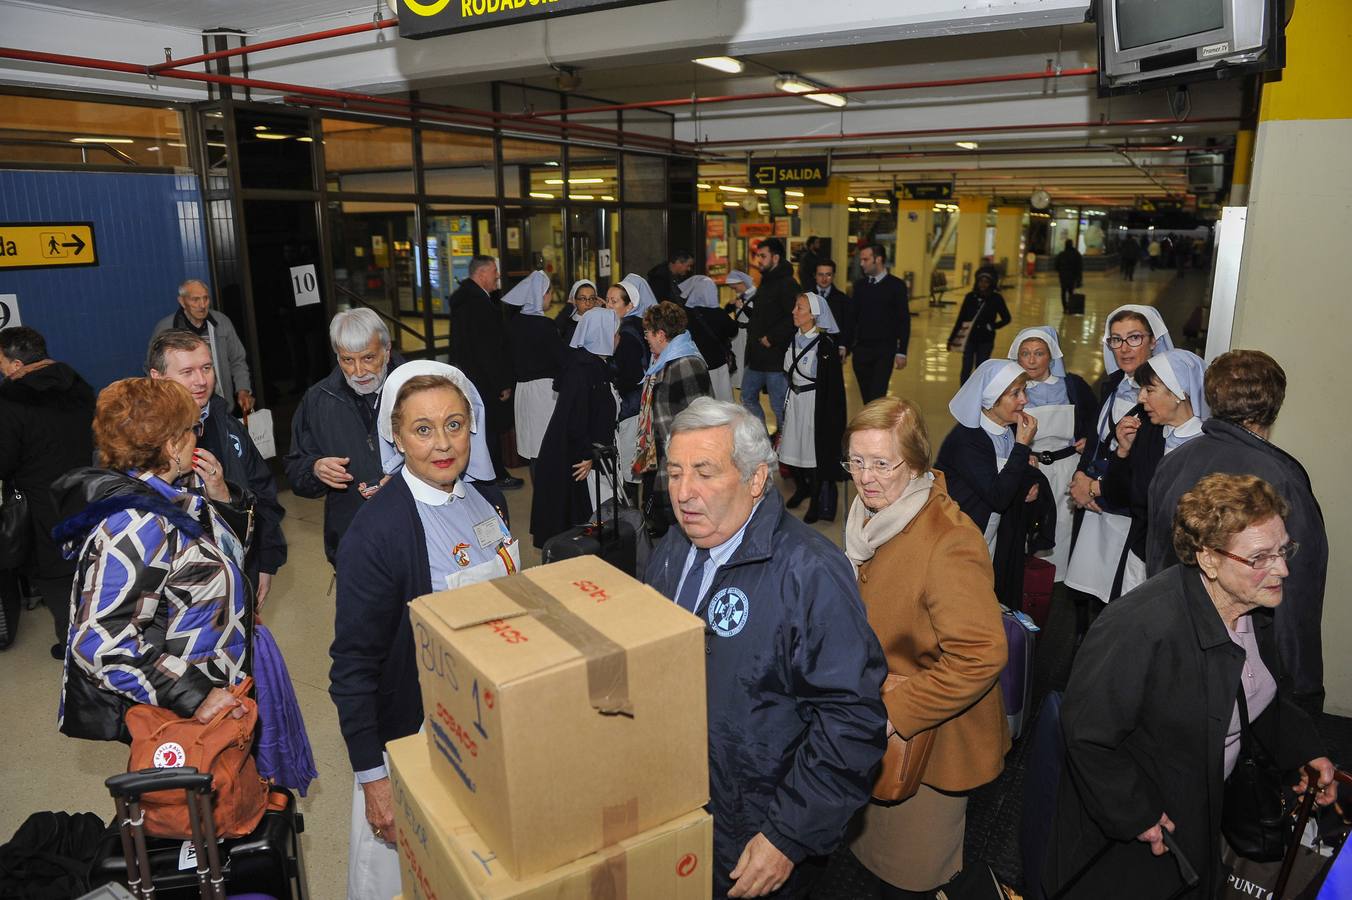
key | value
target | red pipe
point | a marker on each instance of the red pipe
(270, 45)
(560, 128)
(859, 89)
(988, 129)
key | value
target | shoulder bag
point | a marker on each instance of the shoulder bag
(1252, 818)
(958, 343)
(904, 761)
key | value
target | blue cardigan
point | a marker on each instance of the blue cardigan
(967, 459)
(382, 565)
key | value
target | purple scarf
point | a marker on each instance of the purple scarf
(284, 753)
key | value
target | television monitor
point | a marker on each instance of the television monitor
(1152, 43)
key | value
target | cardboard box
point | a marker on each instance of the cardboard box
(565, 709)
(441, 855)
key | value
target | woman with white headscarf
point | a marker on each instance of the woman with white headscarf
(814, 413)
(583, 416)
(1132, 334)
(582, 296)
(740, 309)
(1065, 409)
(646, 298)
(537, 353)
(987, 459)
(437, 524)
(712, 329)
(627, 367)
(1172, 405)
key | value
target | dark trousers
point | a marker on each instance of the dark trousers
(873, 370)
(973, 355)
(55, 596)
(1129, 269)
(1067, 288)
(498, 416)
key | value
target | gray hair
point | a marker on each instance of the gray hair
(750, 443)
(183, 288)
(352, 329)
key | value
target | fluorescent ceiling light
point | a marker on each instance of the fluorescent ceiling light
(733, 189)
(792, 84)
(260, 128)
(269, 136)
(581, 197)
(834, 100)
(796, 84)
(101, 140)
(306, 139)
(731, 203)
(704, 187)
(576, 181)
(793, 193)
(175, 144)
(607, 197)
(968, 145)
(790, 205)
(760, 191)
(851, 199)
(551, 163)
(209, 144)
(864, 200)
(541, 195)
(721, 63)
(883, 200)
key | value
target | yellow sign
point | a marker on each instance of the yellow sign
(43, 245)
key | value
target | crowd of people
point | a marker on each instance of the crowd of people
(852, 693)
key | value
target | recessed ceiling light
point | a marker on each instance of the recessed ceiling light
(793, 193)
(101, 140)
(704, 187)
(733, 189)
(883, 200)
(270, 136)
(731, 203)
(761, 191)
(721, 63)
(551, 163)
(790, 205)
(607, 197)
(581, 197)
(541, 195)
(306, 139)
(968, 145)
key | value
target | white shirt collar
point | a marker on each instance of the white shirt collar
(426, 494)
(991, 427)
(877, 278)
(1050, 379)
(1189, 429)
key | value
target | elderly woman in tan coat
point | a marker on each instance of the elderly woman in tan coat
(925, 576)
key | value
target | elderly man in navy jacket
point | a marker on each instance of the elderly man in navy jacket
(795, 673)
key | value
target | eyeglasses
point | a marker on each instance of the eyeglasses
(1135, 339)
(878, 467)
(1263, 561)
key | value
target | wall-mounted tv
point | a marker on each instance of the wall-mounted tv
(1145, 44)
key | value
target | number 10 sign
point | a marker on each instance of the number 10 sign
(305, 285)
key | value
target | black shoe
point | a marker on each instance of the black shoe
(813, 513)
(509, 483)
(799, 495)
(58, 651)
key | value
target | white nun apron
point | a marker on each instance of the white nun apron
(722, 382)
(798, 447)
(534, 404)
(743, 318)
(1056, 431)
(1103, 540)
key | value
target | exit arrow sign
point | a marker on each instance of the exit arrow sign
(42, 245)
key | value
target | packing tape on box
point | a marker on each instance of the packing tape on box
(607, 664)
(619, 821)
(610, 879)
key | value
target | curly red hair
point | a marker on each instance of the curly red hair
(135, 417)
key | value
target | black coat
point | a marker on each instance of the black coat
(333, 421)
(772, 318)
(479, 345)
(226, 438)
(881, 321)
(537, 350)
(1081, 396)
(565, 322)
(45, 419)
(842, 309)
(1224, 447)
(628, 365)
(1126, 486)
(1070, 267)
(663, 284)
(712, 330)
(584, 415)
(987, 314)
(1150, 698)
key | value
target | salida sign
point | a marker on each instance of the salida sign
(431, 18)
(784, 173)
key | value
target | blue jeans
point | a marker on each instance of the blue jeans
(776, 384)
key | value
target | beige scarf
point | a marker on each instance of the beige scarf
(866, 531)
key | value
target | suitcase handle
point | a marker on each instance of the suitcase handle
(132, 785)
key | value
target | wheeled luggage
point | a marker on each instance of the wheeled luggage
(1046, 759)
(1016, 680)
(617, 533)
(1039, 580)
(268, 861)
(1075, 305)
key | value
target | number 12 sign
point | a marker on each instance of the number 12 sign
(305, 284)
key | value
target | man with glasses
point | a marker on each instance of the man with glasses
(824, 284)
(1245, 390)
(226, 448)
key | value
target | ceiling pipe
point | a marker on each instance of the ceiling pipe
(272, 45)
(556, 130)
(857, 89)
(1015, 151)
(964, 130)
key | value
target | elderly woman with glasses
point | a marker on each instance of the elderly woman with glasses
(925, 577)
(1159, 695)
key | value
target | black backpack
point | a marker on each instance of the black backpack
(49, 856)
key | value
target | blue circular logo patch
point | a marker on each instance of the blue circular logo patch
(728, 611)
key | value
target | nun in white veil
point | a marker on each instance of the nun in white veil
(537, 353)
(712, 329)
(740, 310)
(814, 416)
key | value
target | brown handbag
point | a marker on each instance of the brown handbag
(904, 761)
(223, 747)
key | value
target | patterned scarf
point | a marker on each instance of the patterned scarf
(645, 460)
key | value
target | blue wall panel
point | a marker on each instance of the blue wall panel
(149, 235)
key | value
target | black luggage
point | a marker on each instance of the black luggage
(617, 534)
(1046, 759)
(268, 861)
(1075, 306)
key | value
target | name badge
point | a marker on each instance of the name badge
(487, 533)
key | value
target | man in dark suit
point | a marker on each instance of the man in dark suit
(823, 284)
(882, 323)
(479, 349)
(664, 277)
(808, 258)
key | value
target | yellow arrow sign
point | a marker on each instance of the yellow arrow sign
(30, 245)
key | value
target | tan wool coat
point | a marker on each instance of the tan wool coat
(930, 598)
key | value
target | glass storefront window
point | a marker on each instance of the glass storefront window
(275, 150)
(366, 157)
(79, 132)
(455, 234)
(645, 178)
(527, 165)
(593, 238)
(458, 164)
(375, 264)
(534, 240)
(592, 175)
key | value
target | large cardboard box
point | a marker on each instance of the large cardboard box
(565, 709)
(441, 855)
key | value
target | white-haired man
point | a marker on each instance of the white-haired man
(228, 358)
(794, 672)
(335, 453)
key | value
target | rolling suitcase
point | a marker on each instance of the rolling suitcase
(1075, 305)
(267, 862)
(1046, 758)
(1016, 680)
(1039, 579)
(617, 535)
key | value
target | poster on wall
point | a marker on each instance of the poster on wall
(379, 255)
(9, 311)
(513, 238)
(716, 246)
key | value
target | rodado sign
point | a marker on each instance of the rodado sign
(430, 18)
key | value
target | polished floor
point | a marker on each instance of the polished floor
(41, 769)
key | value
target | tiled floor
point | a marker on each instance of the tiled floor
(41, 769)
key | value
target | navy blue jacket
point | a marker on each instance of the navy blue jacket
(628, 364)
(382, 565)
(967, 459)
(882, 316)
(226, 438)
(796, 720)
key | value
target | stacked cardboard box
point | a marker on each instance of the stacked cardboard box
(565, 730)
